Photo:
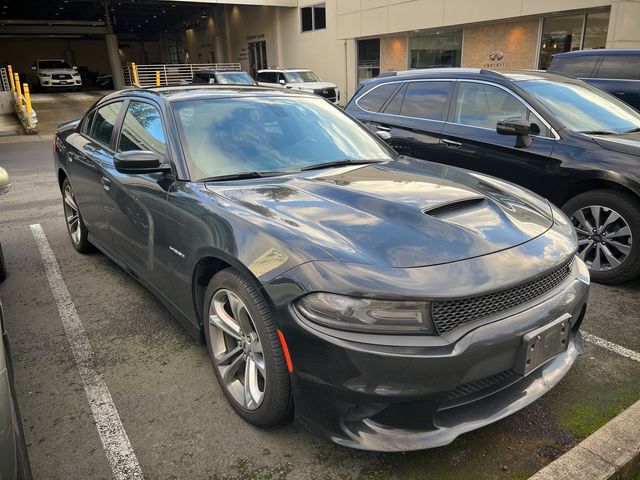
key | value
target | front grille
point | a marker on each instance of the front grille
(486, 383)
(329, 93)
(61, 76)
(450, 314)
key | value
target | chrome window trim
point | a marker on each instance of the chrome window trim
(552, 130)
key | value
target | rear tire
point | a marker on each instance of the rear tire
(76, 228)
(245, 350)
(608, 227)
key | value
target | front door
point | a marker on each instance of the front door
(135, 204)
(471, 141)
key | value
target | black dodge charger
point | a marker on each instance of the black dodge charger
(392, 304)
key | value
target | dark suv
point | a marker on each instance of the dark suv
(561, 137)
(616, 71)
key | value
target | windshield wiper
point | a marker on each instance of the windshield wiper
(599, 132)
(242, 176)
(338, 163)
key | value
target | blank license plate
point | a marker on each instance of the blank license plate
(543, 344)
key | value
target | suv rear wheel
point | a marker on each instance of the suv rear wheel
(608, 226)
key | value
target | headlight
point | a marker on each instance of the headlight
(75, 74)
(44, 74)
(366, 315)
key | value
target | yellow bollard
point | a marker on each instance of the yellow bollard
(10, 72)
(16, 80)
(27, 101)
(157, 78)
(135, 73)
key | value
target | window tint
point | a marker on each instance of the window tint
(103, 122)
(481, 105)
(395, 104)
(426, 100)
(376, 98)
(574, 66)
(626, 67)
(142, 130)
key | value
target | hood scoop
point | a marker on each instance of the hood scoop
(451, 206)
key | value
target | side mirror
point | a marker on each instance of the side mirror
(282, 82)
(139, 161)
(517, 127)
(5, 184)
(384, 135)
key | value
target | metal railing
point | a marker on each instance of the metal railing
(4, 80)
(169, 74)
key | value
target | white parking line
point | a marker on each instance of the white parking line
(120, 454)
(614, 347)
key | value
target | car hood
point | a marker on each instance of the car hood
(312, 85)
(399, 214)
(625, 143)
(57, 71)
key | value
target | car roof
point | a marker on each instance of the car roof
(201, 92)
(468, 73)
(598, 52)
(285, 70)
(212, 71)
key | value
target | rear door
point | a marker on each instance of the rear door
(471, 140)
(87, 151)
(414, 118)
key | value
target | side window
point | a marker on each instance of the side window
(142, 130)
(86, 124)
(626, 67)
(374, 99)
(394, 106)
(426, 100)
(103, 121)
(279, 76)
(574, 66)
(481, 105)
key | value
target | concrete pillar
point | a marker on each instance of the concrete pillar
(218, 41)
(624, 24)
(114, 60)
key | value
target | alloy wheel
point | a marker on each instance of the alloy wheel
(72, 215)
(604, 237)
(237, 349)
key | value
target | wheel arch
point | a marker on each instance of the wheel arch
(606, 182)
(208, 265)
(61, 176)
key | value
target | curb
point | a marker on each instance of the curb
(612, 452)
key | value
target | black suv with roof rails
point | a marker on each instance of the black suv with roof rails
(569, 141)
(615, 70)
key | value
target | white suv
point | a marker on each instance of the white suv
(299, 79)
(58, 74)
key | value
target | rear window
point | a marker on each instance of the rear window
(574, 66)
(626, 67)
(375, 98)
(425, 100)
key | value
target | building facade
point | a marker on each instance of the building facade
(348, 41)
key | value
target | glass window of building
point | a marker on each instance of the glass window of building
(566, 33)
(436, 49)
(313, 17)
(368, 59)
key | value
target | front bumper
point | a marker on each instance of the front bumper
(71, 83)
(407, 395)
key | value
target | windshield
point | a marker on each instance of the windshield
(236, 78)
(53, 64)
(226, 136)
(583, 108)
(301, 77)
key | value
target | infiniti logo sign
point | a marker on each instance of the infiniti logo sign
(496, 56)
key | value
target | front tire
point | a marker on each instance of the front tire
(245, 350)
(76, 228)
(608, 226)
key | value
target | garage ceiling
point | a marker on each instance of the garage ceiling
(141, 17)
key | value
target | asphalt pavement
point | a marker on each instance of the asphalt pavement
(171, 408)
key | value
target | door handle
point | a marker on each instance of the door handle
(106, 183)
(451, 144)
